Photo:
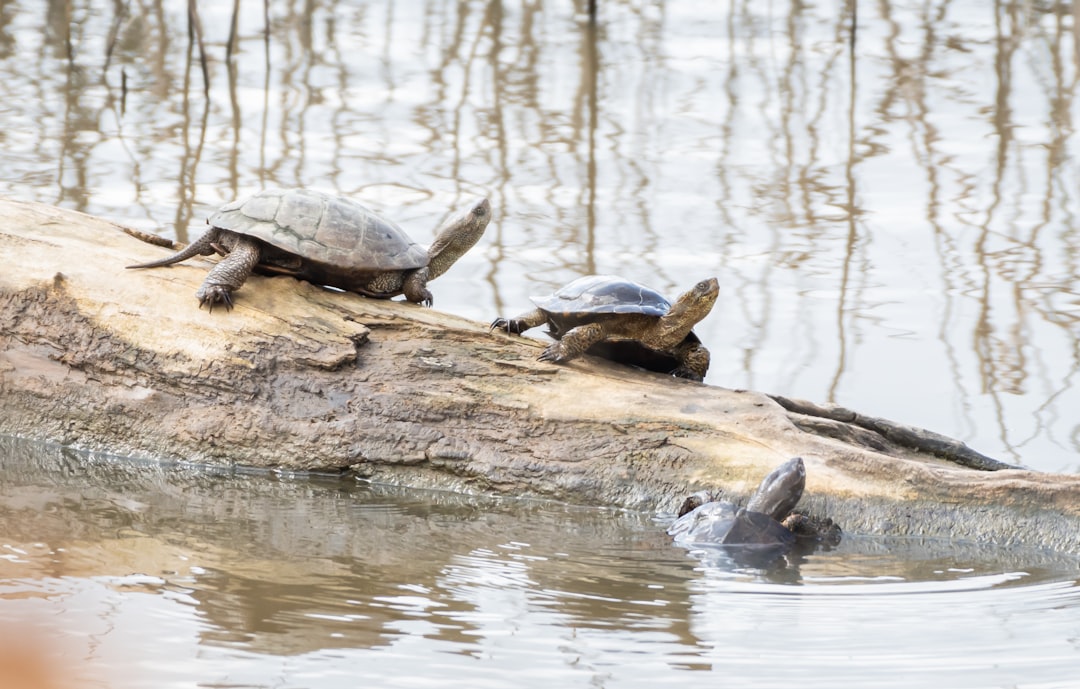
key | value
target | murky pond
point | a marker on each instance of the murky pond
(889, 200)
(891, 209)
(179, 576)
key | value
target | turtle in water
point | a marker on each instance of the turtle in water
(327, 240)
(767, 519)
(623, 321)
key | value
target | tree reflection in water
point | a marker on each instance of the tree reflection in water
(892, 188)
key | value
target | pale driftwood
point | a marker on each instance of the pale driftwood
(298, 377)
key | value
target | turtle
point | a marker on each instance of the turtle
(621, 320)
(767, 519)
(325, 239)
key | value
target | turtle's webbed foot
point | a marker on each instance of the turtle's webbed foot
(574, 343)
(415, 290)
(209, 295)
(512, 326)
(554, 352)
(823, 530)
(423, 298)
(684, 372)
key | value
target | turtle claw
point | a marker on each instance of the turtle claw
(215, 294)
(512, 326)
(823, 530)
(552, 353)
(683, 372)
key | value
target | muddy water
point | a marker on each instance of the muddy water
(134, 575)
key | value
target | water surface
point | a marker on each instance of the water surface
(889, 198)
(131, 574)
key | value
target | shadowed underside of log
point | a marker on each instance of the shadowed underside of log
(299, 377)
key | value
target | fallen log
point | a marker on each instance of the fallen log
(298, 377)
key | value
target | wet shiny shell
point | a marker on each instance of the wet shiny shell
(330, 230)
(603, 294)
(722, 523)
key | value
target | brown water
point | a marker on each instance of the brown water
(892, 215)
(891, 211)
(136, 575)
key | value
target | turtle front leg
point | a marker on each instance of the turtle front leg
(516, 326)
(415, 287)
(824, 530)
(230, 273)
(693, 361)
(574, 343)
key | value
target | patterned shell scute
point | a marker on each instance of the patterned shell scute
(329, 229)
(604, 294)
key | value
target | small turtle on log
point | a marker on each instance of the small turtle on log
(327, 240)
(623, 321)
(767, 519)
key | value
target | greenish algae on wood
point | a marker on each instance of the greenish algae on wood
(302, 378)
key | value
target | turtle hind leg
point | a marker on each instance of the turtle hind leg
(518, 325)
(203, 246)
(693, 361)
(574, 343)
(230, 273)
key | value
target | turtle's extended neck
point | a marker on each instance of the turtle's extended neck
(780, 491)
(687, 311)
(456, 236)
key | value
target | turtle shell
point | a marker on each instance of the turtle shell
(722, 523)
(596, 297)
(334, 233)
(603, 294)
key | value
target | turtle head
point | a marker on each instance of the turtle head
(688, 310)
(456, 236)
(780, 491)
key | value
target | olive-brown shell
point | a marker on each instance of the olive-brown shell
(330, 230)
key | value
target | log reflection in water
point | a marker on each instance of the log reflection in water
(911, 200)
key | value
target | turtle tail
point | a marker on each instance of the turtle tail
(204, 246)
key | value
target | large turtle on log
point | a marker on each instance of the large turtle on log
(767, 519)
(618, 319)
(327, 240)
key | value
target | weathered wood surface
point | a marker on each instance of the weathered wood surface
(298, 377)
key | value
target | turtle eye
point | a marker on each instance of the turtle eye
(704, 286)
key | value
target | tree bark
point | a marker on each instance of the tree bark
(297, 377)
